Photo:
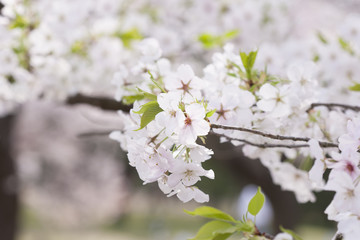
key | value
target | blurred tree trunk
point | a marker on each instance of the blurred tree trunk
(8, 182)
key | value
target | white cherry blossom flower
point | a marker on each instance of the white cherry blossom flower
(172, 115)
(193, 124)
(274, 100)
(185, 81)
(188, 174)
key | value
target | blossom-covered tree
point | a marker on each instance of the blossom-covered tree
(291, 98)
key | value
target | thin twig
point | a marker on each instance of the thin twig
(93, 134)
(262, 145)
(332, 105)
(272, 136)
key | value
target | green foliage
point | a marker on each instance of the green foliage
(256, 203)
(210, 41)
(149, 111)
(139, 95)
(79, 48)
(248, 61)
(294, 235)
(322, 38)
(210, 113)
(21, 52)
(19, 22)
(346, 46)
(129, 36)
(355, 87)
(210, 212)
(215, 230)
(222, 226)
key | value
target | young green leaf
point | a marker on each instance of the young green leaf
(132, 98)
(215, 230)
(244, 59)
(355, 87)
(148, 95)
(294, 235)
(210, 113)
(256, 203)
(210, 212)
(231, 34)
(148, 111)
(251, 59)
(129, 36)
(322, 38)
(248, 60)
(246, 226)
(346, 46)
(146, 106)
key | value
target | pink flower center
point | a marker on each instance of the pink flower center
(188, 121)
(185, 86)
(349, 167)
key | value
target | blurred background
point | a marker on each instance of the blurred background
(73, 182)
(62, 178)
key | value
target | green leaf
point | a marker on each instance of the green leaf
(210, 212)
(321, 37)
(355, 87)
(19, 22)
(140, 95)
(248, 61)
(79, 47)
(244, 59)
(146, 106)
(256, 203)
(215, 230)
(129, 36)
(294, 235)
(231, 34)
(148, 95)
(149, 111)
(210, 113)
(247, 226)
(132, 98)
(346, 46)
(208, 40)
(251, 59)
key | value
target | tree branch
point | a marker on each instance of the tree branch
(94, 134)
(333, 105)
(269, 135)
(101, 102)
(262, 145)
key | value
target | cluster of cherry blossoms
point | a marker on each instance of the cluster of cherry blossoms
(53, 50)
(273, 118)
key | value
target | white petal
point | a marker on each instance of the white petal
(315, 149)
(185, 73)
(187, 135)
(195, 111)
(174, 179)
(201, 127)
(316, 173)
(268, 91)
(266, 105)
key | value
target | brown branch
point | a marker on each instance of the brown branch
(94, 134)
(333, 105)
(101, 102)
(262, 145)
(269, 135)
